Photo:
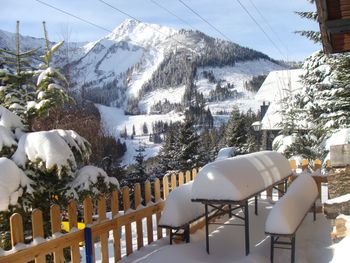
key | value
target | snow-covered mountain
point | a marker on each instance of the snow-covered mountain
(139, 60)
(146, 68)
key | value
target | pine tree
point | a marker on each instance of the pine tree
(139, 175)
(236, 135)
(189, 156)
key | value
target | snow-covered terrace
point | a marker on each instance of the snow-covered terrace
(313, 244)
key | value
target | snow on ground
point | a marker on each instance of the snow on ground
(313, 244)
(115, 121)
(173, 95)
(236, 75)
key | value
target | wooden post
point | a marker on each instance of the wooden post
(116, 230)
(181, 178)
(157, 199)
(188, 176)
(55, 218)
(73, 222)
(38, 231)
(128, 234)
(139, 230)
(149, 217)
(101, 207)
(165, 187)
(173, 181)
(16, 229)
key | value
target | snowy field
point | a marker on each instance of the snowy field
(313, 244)
(114, 122)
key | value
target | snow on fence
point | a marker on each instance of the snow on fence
(95, 218)
(40, 245)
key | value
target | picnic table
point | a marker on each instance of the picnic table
(228, 184)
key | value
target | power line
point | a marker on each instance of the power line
(173, 14)
(206, 21)
(76, 17)
(269, 26)
(254, 20)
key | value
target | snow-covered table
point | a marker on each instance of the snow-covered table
(234, 181)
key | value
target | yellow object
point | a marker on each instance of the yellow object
(65, 227)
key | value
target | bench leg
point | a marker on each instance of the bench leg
(293, 250)
(246, 226)
(207, 227)
(171, 236)
(187, 233)
(271, 248)
(314, 211)
(230, 211)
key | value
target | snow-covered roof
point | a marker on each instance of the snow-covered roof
(276, 87)
(237, 178)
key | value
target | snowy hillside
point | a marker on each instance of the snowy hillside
(139, 66)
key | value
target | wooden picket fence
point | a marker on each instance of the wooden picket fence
(96, 219)
(100, 225)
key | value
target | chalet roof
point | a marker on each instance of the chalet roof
(334, 20)
(277, 86)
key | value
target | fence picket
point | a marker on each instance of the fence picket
(55, 217)
(304, 164)
(16, 227)
(128, 235)
(181, 178)
(187, 176)
(73, 223)
(38, 231)
(101, 207)
(317, 164)
(116, 230)
(165, 187)
(173, 181)
(293, 165)
(194, 173)
(139, 230)
(149, 217)
(157, 199)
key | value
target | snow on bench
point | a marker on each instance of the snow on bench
(241, 177)
(179, 212)
(287, 214)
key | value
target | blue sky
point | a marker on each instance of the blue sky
(226, 15)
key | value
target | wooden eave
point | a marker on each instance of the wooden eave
(334, 21)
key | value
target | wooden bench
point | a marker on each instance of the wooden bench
(288, 213)
(179, 213)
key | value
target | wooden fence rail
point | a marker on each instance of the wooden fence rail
(101, 226)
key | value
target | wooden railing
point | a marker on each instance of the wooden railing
(40, 246)
(96, 219)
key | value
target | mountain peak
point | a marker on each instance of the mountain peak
(141, 34)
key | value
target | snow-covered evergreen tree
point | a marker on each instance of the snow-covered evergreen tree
(189, 142)
(38, 169)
